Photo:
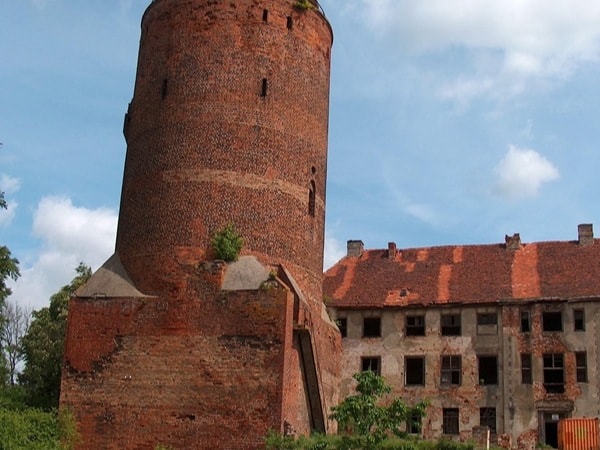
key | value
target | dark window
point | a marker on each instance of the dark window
(488, 369)
(414, 424)
(525, 321)
(526, 373)
(450, 420)
(451, 370)
(487, 418)
(311, 198)
(342, 324)
(450, 324)
(290, 23)
(487, 319)
(263, 89)
(165, 86)
(581, 367)
(415, 325)
(415, 370)
(554, 377)
(578, 320)
(487, 323)
(265, 14)
(552, 321)
(371, 327)
(372, 363)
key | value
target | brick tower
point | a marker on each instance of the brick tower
(228, 124)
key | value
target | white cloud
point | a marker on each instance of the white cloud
(508, 42)
(8, 185)
(334, 251)
(69, 235)
(7, 215)
(522, 172)
(40, 4)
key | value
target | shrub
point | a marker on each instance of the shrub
(32, 429)
(304, 5)
(227, 243)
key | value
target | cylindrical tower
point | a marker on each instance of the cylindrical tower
(228, 123)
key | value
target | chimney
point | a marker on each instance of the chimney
(585, 233)
(355, 248)
(513, 242)
(391, 250)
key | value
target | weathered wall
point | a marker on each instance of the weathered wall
(519, 407)
(206, 147)
(228, 123)
(203, 373)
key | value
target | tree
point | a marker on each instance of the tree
(9, 266)
(15, 326)
(367, 422)
(9, 269)
(43, 346)
(364, 423)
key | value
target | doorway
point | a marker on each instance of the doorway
(549, 428)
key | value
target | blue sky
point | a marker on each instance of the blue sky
(450, 123)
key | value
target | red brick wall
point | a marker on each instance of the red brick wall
(190, 366)
(213, 150)
(214, 379)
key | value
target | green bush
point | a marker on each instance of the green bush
(32, 429)
(304, 5)
(227, 243)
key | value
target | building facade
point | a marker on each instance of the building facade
(501, 336)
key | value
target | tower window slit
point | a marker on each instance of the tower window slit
(265, 15)
(311, 198)
(290, 23)
(263, 90)
(165, 84)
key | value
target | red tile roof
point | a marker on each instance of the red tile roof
(465, 274)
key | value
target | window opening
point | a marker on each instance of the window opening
(290, 23)
(312, 198)
(371, 327)
(487, 418)
(552, 321)
(414, 424)
(415, 370)
(165, 85)
(263, 90)
(578, 320)
(450, 420)
(487, 319)
(554, 377)
(450, 324)
(488, 370)
(372, 363)
(451, 370)
(526, 372)
(525, 322)
(581, 367)
(415, 326)
(265, 15)
(487, 323)
(342, 324)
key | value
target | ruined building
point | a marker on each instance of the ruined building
(168, 345)
(228, 124)
(503, 336)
